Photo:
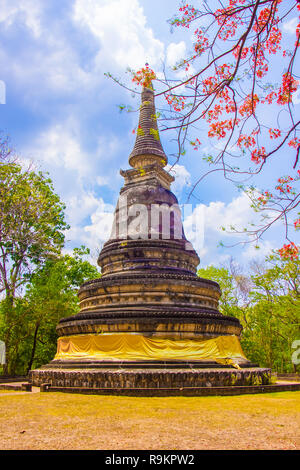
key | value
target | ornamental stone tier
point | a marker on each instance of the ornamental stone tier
(149, 322)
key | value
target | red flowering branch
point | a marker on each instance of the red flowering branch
(234, 112)
(237, 88)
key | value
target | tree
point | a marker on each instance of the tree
(50, 296)
(276, 296)
(229, 300)
(235, 286)
(267, 303)
(241, 63)
(6, 152)
(31, 231)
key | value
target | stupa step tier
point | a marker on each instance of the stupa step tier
(125, 256)
(178, 305)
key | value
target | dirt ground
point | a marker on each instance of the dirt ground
(61, 421)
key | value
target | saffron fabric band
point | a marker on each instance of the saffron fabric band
(132, 347)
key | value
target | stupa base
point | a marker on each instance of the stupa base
(147, 380)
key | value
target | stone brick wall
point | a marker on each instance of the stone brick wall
(150, 378)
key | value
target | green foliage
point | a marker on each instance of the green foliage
(38, 284)
(155, 116)
(275, 315)
(228, 302)
(155, 133)
(50, 295)
(267, 303)
(140, 131)
(31, 231)
(31, 223)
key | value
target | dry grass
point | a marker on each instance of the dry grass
(67, 421)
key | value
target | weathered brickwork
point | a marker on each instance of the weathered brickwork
(151, 378)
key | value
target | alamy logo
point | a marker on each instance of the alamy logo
(2, 92)
(2, 352)
(159, 221)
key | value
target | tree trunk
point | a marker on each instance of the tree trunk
(9, 305)
(33, 347)
(5, 366)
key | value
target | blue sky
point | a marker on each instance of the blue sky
(61, 112)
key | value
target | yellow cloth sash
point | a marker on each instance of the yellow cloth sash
(132, 347)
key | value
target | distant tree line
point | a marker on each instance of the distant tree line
(266, 300)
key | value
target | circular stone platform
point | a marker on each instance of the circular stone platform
(142, 375)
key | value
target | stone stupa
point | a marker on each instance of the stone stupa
(149, 323)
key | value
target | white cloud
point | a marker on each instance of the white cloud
(182, 177)
(26, 12)
(265, 248)
(237, 214)
(203, 228)
(296, 97)
(96, 230)
(59, 146)
(120, 26)
(50, 64)
(102, 180)
(53, 64)
(90, 220)
(175, 53)
(290, 26)
(79, 206)
(101, 224)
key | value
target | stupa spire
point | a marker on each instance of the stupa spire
(147, 148)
